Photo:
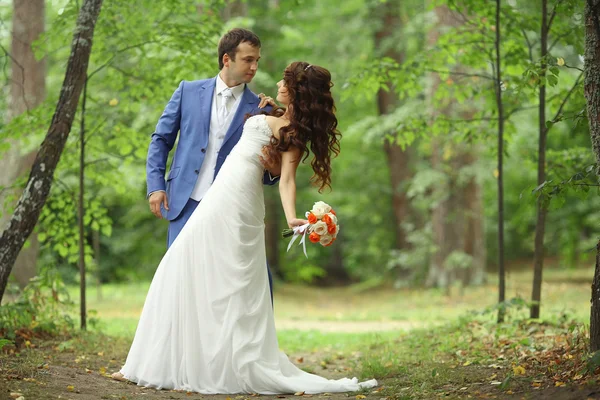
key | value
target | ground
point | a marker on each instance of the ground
(412, 341)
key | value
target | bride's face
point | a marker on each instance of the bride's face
(282, 93)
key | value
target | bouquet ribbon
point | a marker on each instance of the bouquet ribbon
(299, 231)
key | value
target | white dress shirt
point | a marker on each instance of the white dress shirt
(217, 132)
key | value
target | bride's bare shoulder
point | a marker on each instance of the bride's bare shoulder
(276, 123)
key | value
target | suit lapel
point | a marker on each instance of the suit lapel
(206, 93)
(247, 104)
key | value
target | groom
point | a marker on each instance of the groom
(209, 116)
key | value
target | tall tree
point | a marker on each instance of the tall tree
(540, 226)
(31, 202)
(592, 96)
(457, 220)
(27, 90)
(499, 105)
(388, 15)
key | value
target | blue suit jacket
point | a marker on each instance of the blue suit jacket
(188, 112)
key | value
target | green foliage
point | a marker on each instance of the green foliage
(446, 101)
(5, 342)
(42, 307)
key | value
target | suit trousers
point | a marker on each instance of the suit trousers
(177, 224)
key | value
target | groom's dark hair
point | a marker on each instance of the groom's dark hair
(230, 41)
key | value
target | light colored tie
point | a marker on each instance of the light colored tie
(226, 103)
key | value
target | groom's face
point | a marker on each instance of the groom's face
(243, 68)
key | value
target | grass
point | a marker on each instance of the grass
(564, 291)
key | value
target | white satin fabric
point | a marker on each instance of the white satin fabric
(207, 324)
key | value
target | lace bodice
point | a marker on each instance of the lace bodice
(255, 136)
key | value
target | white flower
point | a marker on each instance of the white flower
(320, 227)
(326, 239)
(320, 209)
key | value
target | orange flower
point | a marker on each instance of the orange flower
(327, 219)
(312, 218)
(314, 237)
(333, 212)
(331, 229)
(330, 243)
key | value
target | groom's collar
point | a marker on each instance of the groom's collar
(237, 91)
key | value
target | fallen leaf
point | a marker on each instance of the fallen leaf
(300, 359)
(299, 394)
(71, 388)
(466, 363)
(101, 353)
(360, 396)
(519, 370)
(15, 395)
(495, 383)
(559, 384)
(89, 371)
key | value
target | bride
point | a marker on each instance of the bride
(207, 325)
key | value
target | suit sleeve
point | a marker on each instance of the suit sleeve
(269, 179)
(162, 142)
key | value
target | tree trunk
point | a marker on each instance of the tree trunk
(457, 221)
(233, 9)
(387, 101)
(500, 107)
(81, 214)
(592, 96)
(31, 202)
(540, 227)
(474, 243)
(27, 90)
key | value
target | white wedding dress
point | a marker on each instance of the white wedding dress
(207, 325)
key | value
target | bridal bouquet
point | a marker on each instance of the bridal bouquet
(322, 227)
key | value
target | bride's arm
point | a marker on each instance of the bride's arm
(287, 186)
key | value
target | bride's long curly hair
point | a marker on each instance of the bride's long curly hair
(312, 121)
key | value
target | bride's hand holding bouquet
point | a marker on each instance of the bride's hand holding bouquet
(321, 226)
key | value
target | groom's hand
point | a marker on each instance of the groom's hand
(155, 200)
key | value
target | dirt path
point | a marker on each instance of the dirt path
(66, 377)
